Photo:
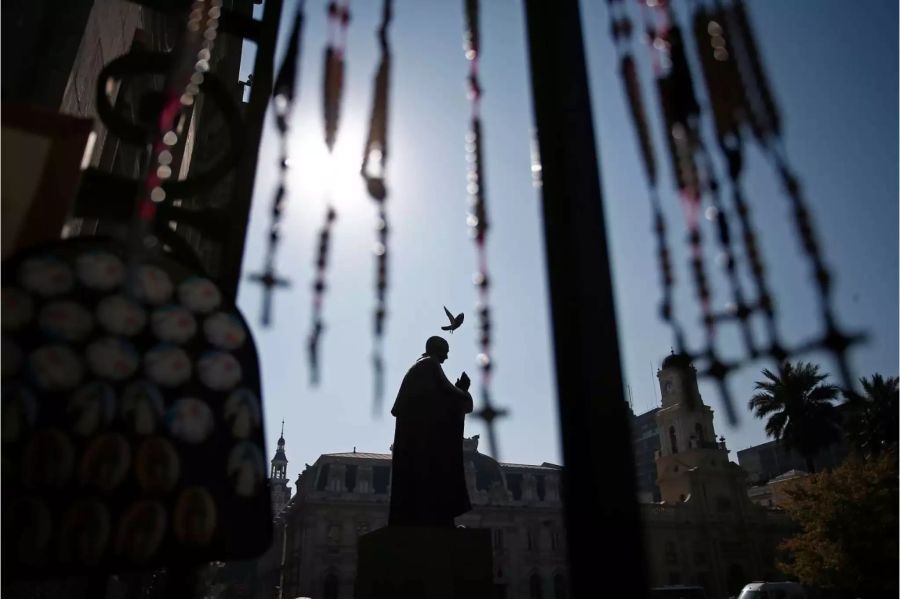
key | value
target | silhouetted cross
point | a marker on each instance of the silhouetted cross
(269, 280)
(489, 413)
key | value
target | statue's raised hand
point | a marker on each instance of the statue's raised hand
(463, 381)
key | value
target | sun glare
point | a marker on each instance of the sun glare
(332, 177)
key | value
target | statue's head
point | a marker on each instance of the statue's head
(437, 348)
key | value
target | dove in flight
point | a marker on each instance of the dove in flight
(455, 321)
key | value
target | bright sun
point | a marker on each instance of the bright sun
(332, 176)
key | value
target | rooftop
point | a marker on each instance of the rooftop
(360, 455)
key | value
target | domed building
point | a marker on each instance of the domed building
(700, 526)
(345, 495)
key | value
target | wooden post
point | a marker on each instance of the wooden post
(606, 554)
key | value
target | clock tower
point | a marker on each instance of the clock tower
(688, 450)
(278, 481)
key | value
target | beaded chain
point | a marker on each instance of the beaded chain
(693, 174)
(318, 326)
(283, 95)
(477, 219)
(739, 98)
(373, 171)
(728, 112)
(338, 20)
(729, 40)
(621, 31)
(192, 60)
(333, 88)
(680, 113)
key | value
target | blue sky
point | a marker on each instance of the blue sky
(833, 67)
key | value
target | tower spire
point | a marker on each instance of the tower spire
(278, 482)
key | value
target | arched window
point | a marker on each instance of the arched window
(535, 587)
(559, 586)
(672, 440)
(698, 429)
(330, 588)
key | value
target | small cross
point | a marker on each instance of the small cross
(489, 413)
(269, 280)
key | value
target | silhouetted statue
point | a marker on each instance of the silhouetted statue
(428, 484)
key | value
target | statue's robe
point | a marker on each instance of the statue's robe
(428, 482)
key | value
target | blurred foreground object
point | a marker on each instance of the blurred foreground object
(41, 154)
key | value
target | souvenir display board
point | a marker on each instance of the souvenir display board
(131, 417)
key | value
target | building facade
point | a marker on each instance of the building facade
(769, 460)
(705, 530)
(345, 495)
(701, 529)
(645, 442)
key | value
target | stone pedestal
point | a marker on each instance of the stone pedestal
(401, 562)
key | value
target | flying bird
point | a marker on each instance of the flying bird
(455, 321)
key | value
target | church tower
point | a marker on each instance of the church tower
(278, 480)
(688, 450)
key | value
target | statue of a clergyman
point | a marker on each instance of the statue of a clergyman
(428, 486)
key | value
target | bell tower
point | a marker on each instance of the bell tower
(278, 481)
(687, 438)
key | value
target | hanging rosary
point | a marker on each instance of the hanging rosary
(373, 171)
(739, 99)
(338, 20)
(621, 31)
(283, 95)
(681, 118)
(333, 87)
(729, 112)
(477, 220)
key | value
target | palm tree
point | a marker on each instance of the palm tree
(871, 420)
(799, 409)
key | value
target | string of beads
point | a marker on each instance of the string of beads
(283, 96)
(181, 88)
(333, 89)
(477, 220)
(373, 171)
(739, 98)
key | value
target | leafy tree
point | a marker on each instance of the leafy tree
(872, 416)
(848, 539)
(799, 409)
